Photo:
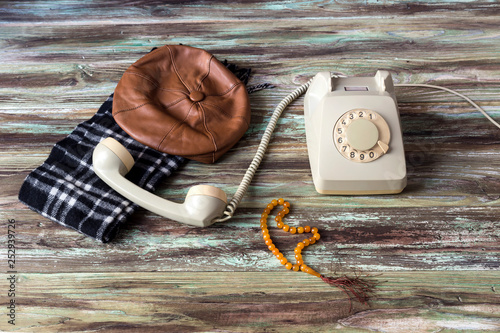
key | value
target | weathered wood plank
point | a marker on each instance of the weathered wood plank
(249, 302)
(373, 239)
(154, 11)
(60, 61)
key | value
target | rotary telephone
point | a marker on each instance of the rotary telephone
(354, 142)
(353, 135)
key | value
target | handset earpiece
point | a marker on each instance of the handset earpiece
(203, 204)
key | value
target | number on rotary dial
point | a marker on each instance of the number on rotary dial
(361, 135)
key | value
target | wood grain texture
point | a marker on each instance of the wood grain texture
(254, 301)
(434, 249)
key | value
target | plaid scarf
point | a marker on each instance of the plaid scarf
(66, 190)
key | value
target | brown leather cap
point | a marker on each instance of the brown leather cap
(182, 101)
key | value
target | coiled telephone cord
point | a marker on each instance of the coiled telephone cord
(261, 150)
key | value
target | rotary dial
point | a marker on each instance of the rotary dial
(361, 135)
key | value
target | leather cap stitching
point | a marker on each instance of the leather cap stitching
(176, 70)
(226, 114)
(174, 126)
(206, 75)
(208, 131)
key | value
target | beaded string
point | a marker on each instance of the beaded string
(358, 287)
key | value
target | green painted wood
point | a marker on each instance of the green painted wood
(435, 246)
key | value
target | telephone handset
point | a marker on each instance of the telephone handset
(353, 135)
(203, 204)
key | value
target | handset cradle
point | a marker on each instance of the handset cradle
(203, 203)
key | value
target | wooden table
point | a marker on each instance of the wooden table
(433, 250)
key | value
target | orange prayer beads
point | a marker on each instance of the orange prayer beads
(358, 287)
(299, 265)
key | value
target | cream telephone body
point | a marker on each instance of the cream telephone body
(353, 135)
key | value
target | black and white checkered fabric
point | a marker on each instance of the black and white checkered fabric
(66, 190)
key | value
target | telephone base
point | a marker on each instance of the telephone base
(353, 134)
(394, 187)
